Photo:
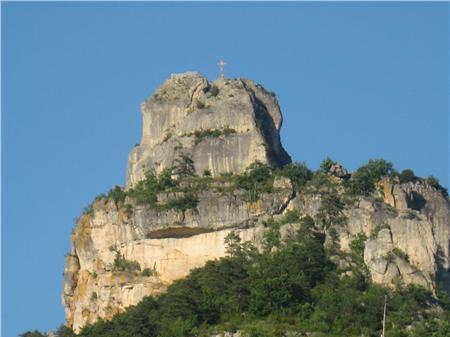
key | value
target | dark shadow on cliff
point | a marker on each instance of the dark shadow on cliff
(416, 201)
(264, 120)
(442, 273)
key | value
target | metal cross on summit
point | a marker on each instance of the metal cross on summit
(221, 65)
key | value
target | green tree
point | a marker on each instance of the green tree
(364, 179)
(34, 333)
(236, 249)
(257, 179)
(122, 264)
(407, 175)
(284, 278)
(272, 237)
(117, 194)
(298, 173)
(357, 246)
(326, 165)
(330, 212)
(177, 328)
(64, 331)
(434, 182)
(225, 288)
(184, 166)
(188, 201)
(146, 190)
(347, 307)
(165, 180)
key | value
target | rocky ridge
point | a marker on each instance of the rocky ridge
(124, 250)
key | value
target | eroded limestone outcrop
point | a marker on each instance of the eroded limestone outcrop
(222, 126)
(424, 232)
(168, 243)
(403, 245)
(123, 250)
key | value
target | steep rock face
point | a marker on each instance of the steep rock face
(124, 250)
(223, 127)
(428, 232)
(169, 243)
(403, 245)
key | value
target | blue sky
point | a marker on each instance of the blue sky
(354, 80)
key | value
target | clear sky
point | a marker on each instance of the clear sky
(354, 80)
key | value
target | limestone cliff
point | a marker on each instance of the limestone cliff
(124, 249)
(223, 126)
(169, 243)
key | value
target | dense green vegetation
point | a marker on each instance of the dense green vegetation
(34, 333)
(407, 176)
(146, 191)
(298, 173)
(122, 264)
(433, 181)
(185, 186)
(364, 179)
(357, 246)
(257, 179)
(326, 165)
(294, 288)
(117, 194)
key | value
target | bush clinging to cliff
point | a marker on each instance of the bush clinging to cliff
(257, 179)
(364, 179)
(298, 173)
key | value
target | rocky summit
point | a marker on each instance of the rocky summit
(222, 126)
(211, 163)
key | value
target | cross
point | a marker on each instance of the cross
(221, 65)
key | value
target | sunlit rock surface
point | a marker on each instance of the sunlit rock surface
(245, 117)
(408, 232)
